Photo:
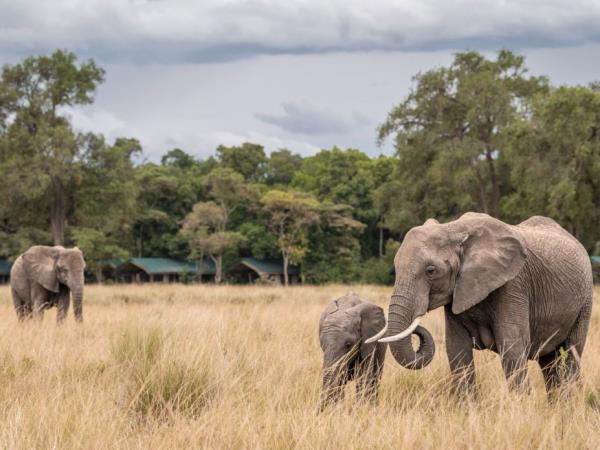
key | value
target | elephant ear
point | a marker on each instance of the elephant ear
(493, 253)
(372, 321)
(41, 265)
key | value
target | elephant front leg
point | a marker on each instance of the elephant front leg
(459, 347)
(64, 299)
(513, 342)
(39, 297)
(368, 378)
(514, 364)
(513, 346)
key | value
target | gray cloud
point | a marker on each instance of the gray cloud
(214, 31)
(263, 54)
(304, 118)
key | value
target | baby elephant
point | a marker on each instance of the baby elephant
(344, 326)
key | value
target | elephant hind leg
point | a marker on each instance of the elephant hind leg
(22, 307)
(575, 341)
(550, 365)
(563, 365)
(559, 369)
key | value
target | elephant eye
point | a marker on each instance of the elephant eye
(430, 270)
(349, 344)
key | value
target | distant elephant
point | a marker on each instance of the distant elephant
(524, 292)
(343, 328)
(43, 277)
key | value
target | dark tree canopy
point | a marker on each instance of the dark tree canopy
(477, 135)
(449, 133)
(248, 159)
(40, 152)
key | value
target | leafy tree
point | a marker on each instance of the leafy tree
(281, 167)
(106, 198)
(381, 270)
(178, 158)
(204, 227)
(258, 241)
(348, 177)
(169, 191)
(334, 249)
(290, 213)
(249, 160)
(40, 154)
(340, 176)
(555, 162)
(383, 191)
(97, 246)
(449, 133)
(13, 244)
(230, 191)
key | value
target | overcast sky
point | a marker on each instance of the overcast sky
(305, 74)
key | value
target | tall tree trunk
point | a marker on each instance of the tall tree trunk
(98, 273)
(58, 211)
(200, 268)
(139, 242)
(286, 260)
(495, 206)
(380, 240)
(482, 200)
(218, 260)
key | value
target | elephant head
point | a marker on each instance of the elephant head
(51, 266)
(344, 327)
(459, 264)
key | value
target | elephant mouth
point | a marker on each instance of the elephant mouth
(353, 367)
(437, 300)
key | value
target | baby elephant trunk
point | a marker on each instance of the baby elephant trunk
(335, 376)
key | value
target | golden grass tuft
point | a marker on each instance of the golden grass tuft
(236, 367)
(159, 385)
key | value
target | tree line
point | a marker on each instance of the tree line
(478, 135)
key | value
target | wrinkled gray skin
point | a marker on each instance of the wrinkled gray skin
(344, 326)
(44, 277)
(522, 291)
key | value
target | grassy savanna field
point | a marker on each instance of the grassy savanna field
(171, 366)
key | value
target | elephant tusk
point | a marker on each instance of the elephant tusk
(404, 334)
(377, 336)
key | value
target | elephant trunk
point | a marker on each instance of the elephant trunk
(336, 372)
(77, 292)
(332, 389)
(404, 309)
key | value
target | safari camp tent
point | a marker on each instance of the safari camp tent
(596, 268)
(108, 269)
(252, 270)
(5, 266)
(166, 270)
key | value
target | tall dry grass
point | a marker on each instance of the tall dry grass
(169, 366)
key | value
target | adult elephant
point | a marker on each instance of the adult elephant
(344, 326)
(522, 291)
(43, 277)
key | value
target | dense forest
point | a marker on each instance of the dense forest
(478, 135)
